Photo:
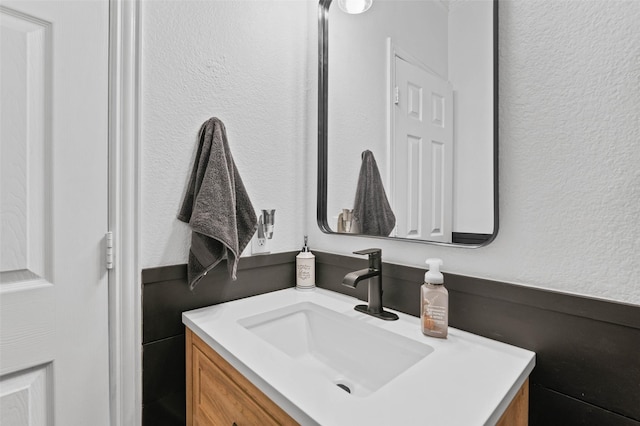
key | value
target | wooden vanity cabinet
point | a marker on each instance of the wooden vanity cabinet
(517, 413)
(217, 394)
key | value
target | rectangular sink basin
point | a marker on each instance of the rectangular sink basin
(356, 356)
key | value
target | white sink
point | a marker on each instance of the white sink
(357, 356)
(296, 346)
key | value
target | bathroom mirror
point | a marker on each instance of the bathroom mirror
(415, 83)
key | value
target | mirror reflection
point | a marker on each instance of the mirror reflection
(407, 142)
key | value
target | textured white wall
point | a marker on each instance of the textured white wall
(569, 155)
(244, 62)
(569, 132)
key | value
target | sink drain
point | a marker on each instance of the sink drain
(343, 387)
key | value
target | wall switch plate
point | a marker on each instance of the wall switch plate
(259, 245)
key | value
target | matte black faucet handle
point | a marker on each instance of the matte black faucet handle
(375, 257)
(369, 251)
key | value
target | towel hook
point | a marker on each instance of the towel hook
(266, 223)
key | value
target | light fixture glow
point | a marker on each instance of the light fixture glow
(355, 6)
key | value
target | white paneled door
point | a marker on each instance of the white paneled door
(422, 152)
(54, 348)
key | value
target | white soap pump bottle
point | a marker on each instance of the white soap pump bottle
(434, 302)
(305, 268)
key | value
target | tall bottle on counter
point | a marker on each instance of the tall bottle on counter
(305, 268)
(434, 302)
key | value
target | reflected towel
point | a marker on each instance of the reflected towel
(371, 208)
(216, 206)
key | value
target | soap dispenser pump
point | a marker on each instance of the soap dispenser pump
(305, 268)
(434, 302)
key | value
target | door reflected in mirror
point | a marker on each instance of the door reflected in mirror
(413, 83)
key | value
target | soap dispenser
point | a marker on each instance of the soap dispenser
(434, 302)
(305, 268)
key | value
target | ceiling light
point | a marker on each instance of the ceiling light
(355, 6)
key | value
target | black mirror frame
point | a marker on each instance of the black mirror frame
(323, 107)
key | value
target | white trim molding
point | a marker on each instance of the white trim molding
(125, 321)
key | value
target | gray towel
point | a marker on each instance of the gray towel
(371, 208)
(216, 206)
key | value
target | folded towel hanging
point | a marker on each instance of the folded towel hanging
(371, 209)
(216, 206)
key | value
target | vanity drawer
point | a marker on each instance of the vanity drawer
(218, 395)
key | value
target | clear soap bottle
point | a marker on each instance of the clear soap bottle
(434, 302)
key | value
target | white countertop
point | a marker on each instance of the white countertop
(467, 380)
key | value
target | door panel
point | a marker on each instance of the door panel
(53, 203)
(25, 171)
(25, 398)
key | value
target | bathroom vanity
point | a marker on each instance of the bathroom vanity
(307, 357)
(218, 394)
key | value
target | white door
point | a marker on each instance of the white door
(422, 152)
(54, 357)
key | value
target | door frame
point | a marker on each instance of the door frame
(125, 319)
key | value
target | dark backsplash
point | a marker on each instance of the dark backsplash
(587, 350)
(165, 295)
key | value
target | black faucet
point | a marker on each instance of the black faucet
(374, 274)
